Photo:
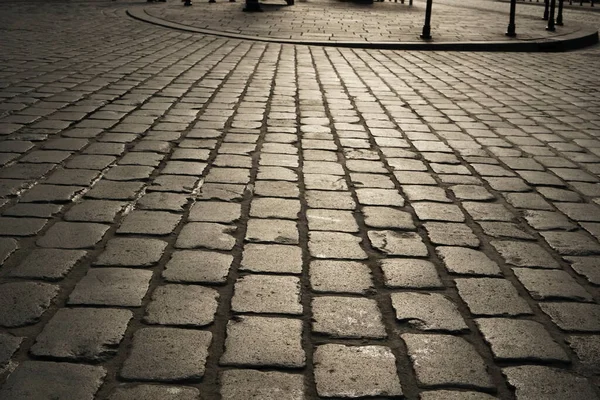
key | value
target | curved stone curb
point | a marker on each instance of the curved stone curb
(582, 37)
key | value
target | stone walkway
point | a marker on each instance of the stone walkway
(186, 216)
(481, 24)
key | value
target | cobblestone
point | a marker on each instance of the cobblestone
(347, 317)
(131, 252)
(82, 334)
(491, 297)
(427, 312)
(267, 294)
(23, 303)
(47, 264)
(154, 392)
(355, 371)
(532, 381)
(182, 305)
(123, 287)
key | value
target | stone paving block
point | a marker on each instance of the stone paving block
(228, 175)
(142, 222)
(182, 305)
(51, 194)
(574, 317)
(540, 178)
(587, 349)
(9, 345)
(531, 201)
(322, 167)
(272, 231)
(355, 371)
(547, 220)
(189, 168)
(197, 266)
(112, 149)
(571, 243)
(393, 243)
(95, 211)
(335, 245)
(206, 234)
(276, 173)
(82, 334)
(73, 235)
(111, 190)
(387, 217)
(37, 379)
(451, 234)
(331, 220)
(25, 171)
(46, 156)
(154, 392)
(522, 340)
(537, 382)
(12, 186)
(39, 210)
(325, 182)
(272, 258)
(425, 193)
(427, 312)
(551, 285)
(252, 384)
(79, 177)
(410, 273)
(162, 201)
(174, 183)
(471, 192)
(379, 197)
(454, 395)
(122, 287)
(427, 211)
(465, 261)
(556, 194)
(272, 207)
(129, 173)
(444, 360)
(264, 341)
(586, 267)
(23, 303)
(95, 162)
(488, 212)
(276, 189)
(47, 264)
(347, 317)
(340, 276)
(267, 294)
(380, 181)
(131, 252)
(147, 159)
(580, 212)
(508, 184)
(491, 297)
(330, 200)
(167, 355)
(21, 226)
(523, 254)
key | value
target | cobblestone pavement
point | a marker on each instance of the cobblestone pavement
(186, 216)
(335, 20)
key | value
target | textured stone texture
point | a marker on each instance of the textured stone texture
(551, 285)
(206, 235)
(335, 245)
(36, 379)
(587, 349)
(272, 258)
(355, 371)
(267, 294)
(573, 317)
(347, 317)
(446, 360)
(154, 392)
(248, 384)
(23, 303)
(47, 264)
(72, 235)
(491, 297)
(465, 261)
(82, 334)
(124, 287)
(272, 231)
(130, 252)
(167, 355)
(394, 243)
(340, 276)
(183, 305)
(264, 341)
(427, 312)
(536, 382)
(197, 266)
(512, 339)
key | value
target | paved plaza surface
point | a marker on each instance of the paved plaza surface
(190, 216)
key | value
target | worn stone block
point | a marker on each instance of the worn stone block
(347, 317)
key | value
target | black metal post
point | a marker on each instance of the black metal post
(427, 27)
(187, 3)
(546, 5)
(510, 31)
(252, 6)
(559, 17)
(550, 26)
